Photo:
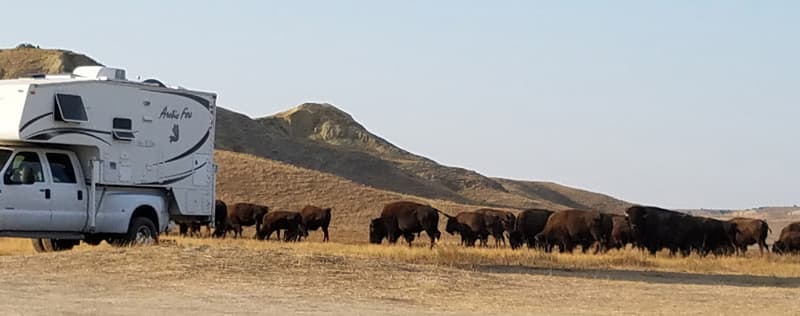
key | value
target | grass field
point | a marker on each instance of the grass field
(214, 277)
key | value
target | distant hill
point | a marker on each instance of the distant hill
(18, 62)
(323, 138)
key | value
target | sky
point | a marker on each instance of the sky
(681, 104)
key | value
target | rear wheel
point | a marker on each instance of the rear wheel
(141, 232)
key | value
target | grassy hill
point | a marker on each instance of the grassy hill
(323, 142)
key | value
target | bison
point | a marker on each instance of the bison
(750, 231)
(616, 231)
(506, 219)
(246, 214)
(315, 218)
(655, 228)
(789, 240)
(528, 224)
(472, 226)
(717, 236)
(290, 221)
(570, 228)
(220, 218)
(405, 219)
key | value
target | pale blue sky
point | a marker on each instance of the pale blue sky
(673, 103)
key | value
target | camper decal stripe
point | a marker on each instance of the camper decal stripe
(190, 151)
(59, 129)
(24, 126)
(50, 135)
(205, 103)
(181, 176)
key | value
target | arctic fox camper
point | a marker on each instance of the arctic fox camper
(92, 156)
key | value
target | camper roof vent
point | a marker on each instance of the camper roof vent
(100, 72)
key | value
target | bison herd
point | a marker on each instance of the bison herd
(295, 225)
(648, 228)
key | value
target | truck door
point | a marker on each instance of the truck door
(68, 193)
(24, 194)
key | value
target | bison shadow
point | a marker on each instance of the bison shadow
(655, 277)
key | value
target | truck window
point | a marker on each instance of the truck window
(22, 160)
(4, 154)
(61, 168)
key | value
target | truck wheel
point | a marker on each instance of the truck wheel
(51, 245)
(141, 232)
(94, 241)
(37, 245)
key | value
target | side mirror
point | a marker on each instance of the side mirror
(27, 177)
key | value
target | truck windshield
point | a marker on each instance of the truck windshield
(4, 154)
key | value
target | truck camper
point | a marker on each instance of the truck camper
(91, 156)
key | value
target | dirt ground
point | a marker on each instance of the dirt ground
(220, 280)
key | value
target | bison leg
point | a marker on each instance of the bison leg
(325, 236)
(409, 238)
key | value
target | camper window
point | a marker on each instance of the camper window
(61, 168)
(24, 164)
(69, 108)
(122, 129)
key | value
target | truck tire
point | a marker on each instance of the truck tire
(37, 245)
(52, 245)
(141, 232)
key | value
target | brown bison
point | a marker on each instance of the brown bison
(315, 218)
(789, 240)
(616, 231)
(529, 223)
(750, 231)
(570, 228)
(246, 214)
(472, 226)
(506, 219)
(405, 219)
(274, 221)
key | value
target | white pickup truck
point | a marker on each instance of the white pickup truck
(92, 156)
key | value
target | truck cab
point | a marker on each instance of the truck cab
(42, 190)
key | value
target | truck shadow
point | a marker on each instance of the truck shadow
(655, 277)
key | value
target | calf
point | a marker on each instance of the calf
(471, 226)
(274, 221)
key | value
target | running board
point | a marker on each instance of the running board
(48, 235)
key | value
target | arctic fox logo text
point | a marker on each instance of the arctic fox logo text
(176, 134)
(174, 114)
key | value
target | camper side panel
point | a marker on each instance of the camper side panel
(145, 136)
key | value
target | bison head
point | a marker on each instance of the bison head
(452, 225)
(778, 247)
(377, 231)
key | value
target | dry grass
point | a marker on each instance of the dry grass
(452, 255)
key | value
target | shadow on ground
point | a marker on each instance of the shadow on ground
(656, 277)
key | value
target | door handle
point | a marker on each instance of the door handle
(80, 195)
(46, 193)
